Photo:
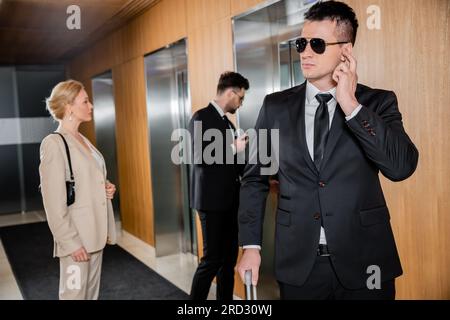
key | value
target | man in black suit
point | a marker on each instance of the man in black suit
(333, 234)
(215, 184)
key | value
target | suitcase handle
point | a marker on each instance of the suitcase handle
(250, 290)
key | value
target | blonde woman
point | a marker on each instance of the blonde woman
(80, 230)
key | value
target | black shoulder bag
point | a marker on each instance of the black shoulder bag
(70, 185)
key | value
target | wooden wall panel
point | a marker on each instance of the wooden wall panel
(241, 6)
(136, 203)
(201, 13)
(94, 61)
(210, 54)
(98, 60)
(132, 39)
(409, 55)
(88, 128)
(165, 24)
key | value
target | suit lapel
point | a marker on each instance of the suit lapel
(223, 125)
(336, 130)
(101, 168)
(297, 115)
(80, 148)
(214, 113)
(337, 127)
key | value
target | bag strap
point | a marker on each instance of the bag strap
(67, 153)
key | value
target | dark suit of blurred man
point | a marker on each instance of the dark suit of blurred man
(215, 188)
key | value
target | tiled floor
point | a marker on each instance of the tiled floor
(8, 285)
(178, 269)
(21, 218)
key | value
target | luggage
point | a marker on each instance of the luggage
(250, 290)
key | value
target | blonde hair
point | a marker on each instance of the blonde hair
(63, 93)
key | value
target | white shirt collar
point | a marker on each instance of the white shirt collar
(312, 91)
(218, 108)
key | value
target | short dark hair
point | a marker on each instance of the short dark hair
(337, 11)
(231, 79)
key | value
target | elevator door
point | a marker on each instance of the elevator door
(105, 128)
(264, 44)
(289, 62)
(168, 109)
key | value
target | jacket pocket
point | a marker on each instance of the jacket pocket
(374, 216)
(284, 204)
(283, 217)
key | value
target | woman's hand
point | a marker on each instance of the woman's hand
(80, 255)
(110, 190)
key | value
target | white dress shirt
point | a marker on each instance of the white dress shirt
(218, 108)
(95, 154)
(220, 111)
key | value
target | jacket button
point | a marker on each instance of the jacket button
(316, 216)
(321, 184)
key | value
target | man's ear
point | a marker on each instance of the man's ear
(348, 47)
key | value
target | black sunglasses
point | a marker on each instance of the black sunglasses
(241, 98)
(317, 45)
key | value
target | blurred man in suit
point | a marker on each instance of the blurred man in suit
(215, 187)
(332, 225)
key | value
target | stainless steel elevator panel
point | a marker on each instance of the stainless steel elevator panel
(168, 108)
(264, 52)
(105, 128)
(24, 122)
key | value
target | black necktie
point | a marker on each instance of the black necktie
(230, 125)
(321, 127)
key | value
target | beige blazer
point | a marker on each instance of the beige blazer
(88, 222)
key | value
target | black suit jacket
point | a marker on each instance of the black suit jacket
(214, 187)
(346, 193)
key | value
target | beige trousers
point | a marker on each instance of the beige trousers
(80, 280)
